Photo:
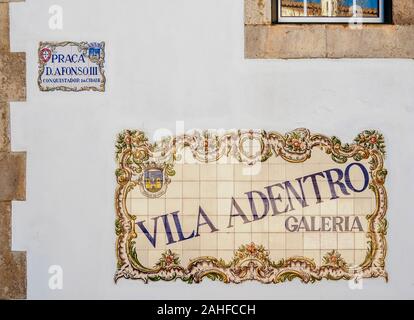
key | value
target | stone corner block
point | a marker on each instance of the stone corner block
(403, 12)
(13, 76)
(255, 41)
(4, 27)
(4, 127)
(13, 281)
(5, 226)
(12, 176)
(257, 12)
(285, 41)
(370, 41)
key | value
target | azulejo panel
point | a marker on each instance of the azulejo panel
(250, 205)
(71, 66)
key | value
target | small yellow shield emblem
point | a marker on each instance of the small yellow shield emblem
(153, 180)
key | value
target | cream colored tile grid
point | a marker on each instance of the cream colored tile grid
(212, 185)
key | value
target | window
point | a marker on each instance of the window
(330, 11)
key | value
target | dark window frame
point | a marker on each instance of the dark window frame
(387, 14)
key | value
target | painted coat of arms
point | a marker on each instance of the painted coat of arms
(250, 205)
(71, 66)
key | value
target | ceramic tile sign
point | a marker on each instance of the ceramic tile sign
(250, 205)
(71, 66)
(331, 11)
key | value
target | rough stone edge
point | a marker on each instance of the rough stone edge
(12, 176)
(403, 12)
(257, 12)
(266, 41)
(13, 265)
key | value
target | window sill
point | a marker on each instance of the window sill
(264, 40)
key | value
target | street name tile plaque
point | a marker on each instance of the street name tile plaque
(71, 66)
(250, 205)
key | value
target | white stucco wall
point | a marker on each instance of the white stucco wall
(183, 60)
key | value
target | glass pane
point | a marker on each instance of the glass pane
(370, 8)
(329, 8)
(293, 8)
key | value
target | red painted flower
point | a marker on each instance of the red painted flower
(373, 139)
(251, 248)
(297, 144)
(169, 260)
